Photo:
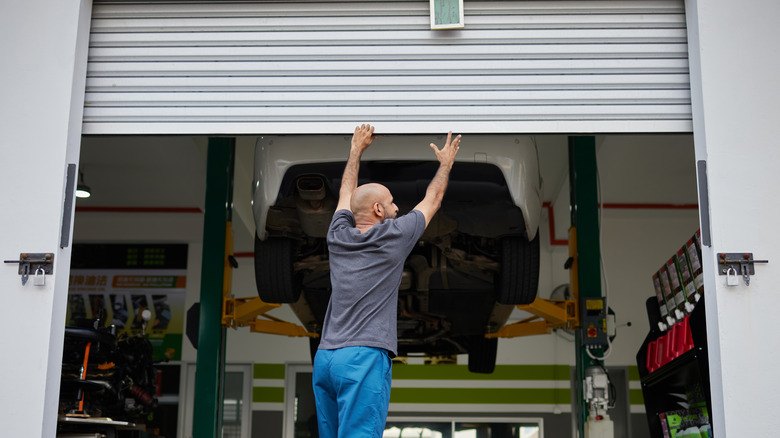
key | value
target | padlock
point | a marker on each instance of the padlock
(732, 280)
(40, 277)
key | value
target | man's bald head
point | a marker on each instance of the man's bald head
(365, 196)
(372, 202)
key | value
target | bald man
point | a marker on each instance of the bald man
(368, 246)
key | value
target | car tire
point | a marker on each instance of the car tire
(518, 278)
(274, 275)
(482, 355)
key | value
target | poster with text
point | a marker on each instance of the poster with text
(119, 293)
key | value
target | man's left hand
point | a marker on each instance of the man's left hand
(362, 138)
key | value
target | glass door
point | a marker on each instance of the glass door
(236, 404)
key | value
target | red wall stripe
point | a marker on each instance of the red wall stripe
(85, 209)
(617, 206)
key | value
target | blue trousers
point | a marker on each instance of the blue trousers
(352, 391)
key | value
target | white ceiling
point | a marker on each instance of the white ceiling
(170, 171)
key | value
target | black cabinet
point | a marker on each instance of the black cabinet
(673, 382)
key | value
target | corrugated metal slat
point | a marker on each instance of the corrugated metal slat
(321, 67)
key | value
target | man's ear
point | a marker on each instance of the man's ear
(378, 209)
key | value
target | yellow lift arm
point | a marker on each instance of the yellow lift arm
(253, 313)
(548, 314)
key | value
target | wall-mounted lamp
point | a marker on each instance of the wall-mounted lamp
(82, 190)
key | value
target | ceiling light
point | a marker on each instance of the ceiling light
(82, 190)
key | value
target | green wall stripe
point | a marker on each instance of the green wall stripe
(461, 372)
(269, 371)
(633, 372)
(265, 394)
(635, 397)
(481, 395)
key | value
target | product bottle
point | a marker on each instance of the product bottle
(662, 305)
(684, 269)
(677, 290)
(668, 295)
(696, 269)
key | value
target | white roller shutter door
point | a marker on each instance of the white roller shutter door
(323, 66)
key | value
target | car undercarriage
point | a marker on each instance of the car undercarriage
(472, 264)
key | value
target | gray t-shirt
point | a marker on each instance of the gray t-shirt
(365, 273)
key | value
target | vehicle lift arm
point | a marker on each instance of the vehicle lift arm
(253, 313)
(547, 315)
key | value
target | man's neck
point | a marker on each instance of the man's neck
(363, 223)
(364, 226)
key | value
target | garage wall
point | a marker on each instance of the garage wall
(736, 94)
(42, 73)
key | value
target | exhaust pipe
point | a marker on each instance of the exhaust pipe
(312, 189)
(315, 208)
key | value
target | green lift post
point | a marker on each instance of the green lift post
(583, 180)
(207, 416)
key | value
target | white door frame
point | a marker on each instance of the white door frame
(291, 370)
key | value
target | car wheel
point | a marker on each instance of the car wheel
(482, 355)
(518, 278)
(274, 275)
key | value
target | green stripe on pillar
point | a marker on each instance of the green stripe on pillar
(461, 372)
(633, 372)
(268, 371)
(481, 395)
(635, 397)
(207, 422)
(267, 394)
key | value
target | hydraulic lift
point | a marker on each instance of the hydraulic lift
(587, 312)
(547, 314)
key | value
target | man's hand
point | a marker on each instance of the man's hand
(438, 185)
(446, 155)
(362, 138)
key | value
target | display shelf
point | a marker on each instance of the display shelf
(666, 388)
(676, 372)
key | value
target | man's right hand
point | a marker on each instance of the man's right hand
(438, 185)
(362, 138)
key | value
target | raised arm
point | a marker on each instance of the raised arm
(438, 185)
(361, 140)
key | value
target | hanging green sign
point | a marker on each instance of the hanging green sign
(446, 14)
